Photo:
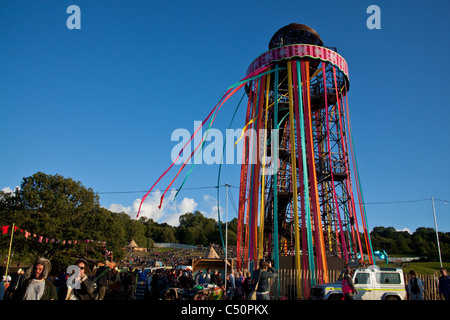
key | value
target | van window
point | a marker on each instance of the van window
(388, 278)
(362, 278)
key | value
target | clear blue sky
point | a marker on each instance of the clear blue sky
(99, 104)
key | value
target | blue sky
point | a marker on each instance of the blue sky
(100, 104)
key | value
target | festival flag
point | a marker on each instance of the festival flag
(40, 239)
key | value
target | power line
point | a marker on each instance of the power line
(398, 201)
(406, 201)
(143, 191)
(219, 186)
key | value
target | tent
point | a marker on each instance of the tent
(212, 254)
(211, 260)
(132, 246)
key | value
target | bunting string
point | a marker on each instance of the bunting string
(44, 239)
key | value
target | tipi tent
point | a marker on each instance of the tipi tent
(211, 260)
(132, 246)
(212, 254)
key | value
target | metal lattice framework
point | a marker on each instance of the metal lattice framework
(304, 205)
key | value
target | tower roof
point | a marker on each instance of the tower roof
(295, 33)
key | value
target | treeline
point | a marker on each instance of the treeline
(421, 243)
(62, 208)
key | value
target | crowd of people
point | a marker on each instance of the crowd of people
(168, 258)
(234, 285)
(105, 282)
(175, 256)
(80, 281)
(416, 286)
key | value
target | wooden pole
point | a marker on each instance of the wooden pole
(9, 252)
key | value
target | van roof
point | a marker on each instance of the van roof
(380, 269)
(390, 269)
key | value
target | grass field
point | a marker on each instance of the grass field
(420, 267)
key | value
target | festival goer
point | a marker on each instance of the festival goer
(231, 285)
(199, 278)
(219, 281)
(248, 284)
(102, 277)
(2, 284)
(16, 281)
(263, 274)
(171, 278)
(415, 287)
(155, 285)
(183, 279)
(348, 288)
(130, 284)
(444, 284)
(148, 286)
(86, 289)
(208, 276)
(163, 280)
(36, 285)
(214, 277)
(60, 281)
(115, 284)
(239, 285)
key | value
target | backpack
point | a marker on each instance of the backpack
(414, 286)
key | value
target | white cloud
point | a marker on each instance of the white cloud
(187, 205)
(150, 208)
(115, 207)
(405, 229)
(170, 211)
(212, 208)
(9, 190)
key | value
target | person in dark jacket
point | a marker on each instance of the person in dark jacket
(248, 284)
(130, 284)
(415, 287)
(16, 282)
(261, 277)
(444, 284)
(102, 277)
(86, 288)
(36, 285)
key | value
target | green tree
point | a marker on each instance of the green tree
(156, 232)
(137, 232)
(196, 229)
(61, 209)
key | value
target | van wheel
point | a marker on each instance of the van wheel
(391, 298)
(335, 297)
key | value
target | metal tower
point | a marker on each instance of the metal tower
(297, 198)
